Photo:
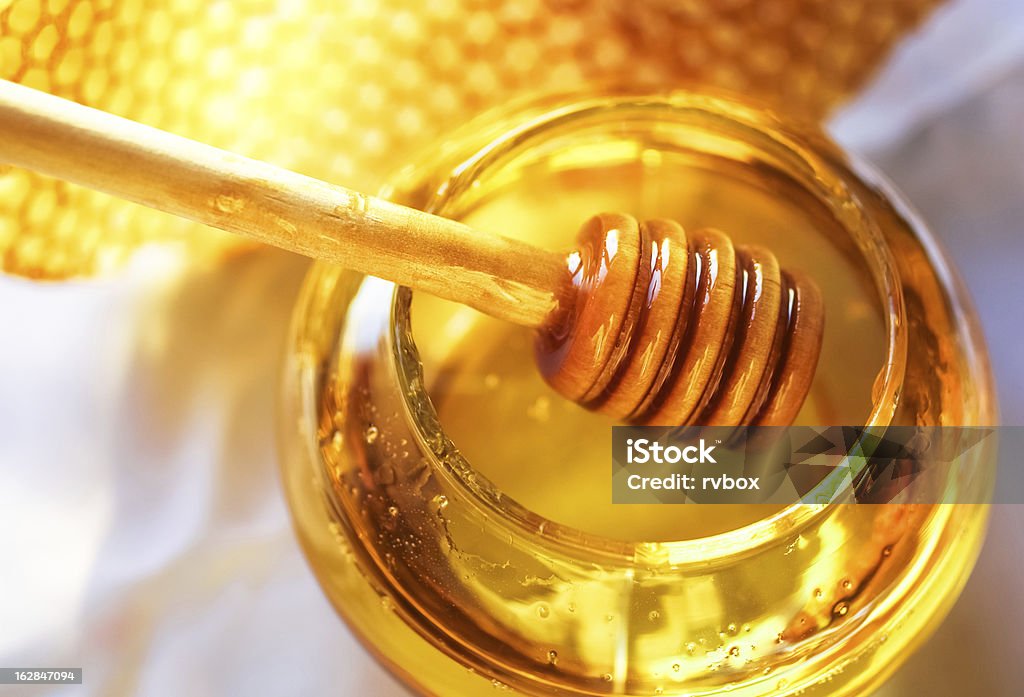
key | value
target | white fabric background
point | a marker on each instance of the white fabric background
(143, 534)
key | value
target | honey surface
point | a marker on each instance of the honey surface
(553, 456)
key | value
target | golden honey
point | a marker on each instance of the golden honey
(458, 513)
(485, 367)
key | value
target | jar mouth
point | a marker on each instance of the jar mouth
(821, 172)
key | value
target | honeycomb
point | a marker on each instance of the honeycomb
(344, 90)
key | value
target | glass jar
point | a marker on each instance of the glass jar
(458, 514)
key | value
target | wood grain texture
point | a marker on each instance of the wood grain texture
(502, 277)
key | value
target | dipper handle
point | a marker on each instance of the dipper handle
(502, 277)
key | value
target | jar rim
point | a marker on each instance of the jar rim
(820, 165)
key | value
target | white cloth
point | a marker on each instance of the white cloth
(143, 533)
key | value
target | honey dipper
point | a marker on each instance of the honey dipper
(642, 321)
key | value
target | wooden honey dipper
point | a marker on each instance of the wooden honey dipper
(640, 321)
